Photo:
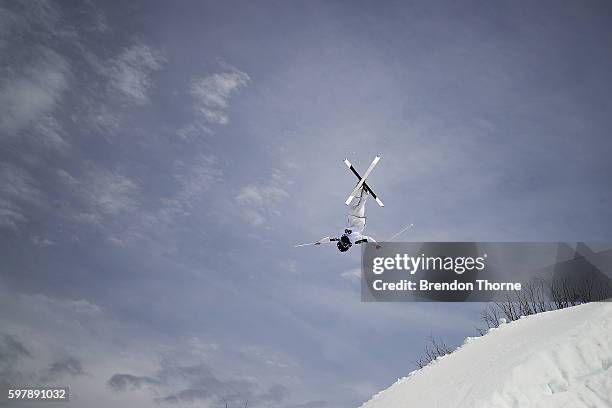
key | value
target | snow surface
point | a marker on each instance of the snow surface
(561, 358)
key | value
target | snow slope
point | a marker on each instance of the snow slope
(561, 358)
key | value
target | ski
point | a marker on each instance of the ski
(397, 234)
(352, 168)
(319, 242)
(362, 181)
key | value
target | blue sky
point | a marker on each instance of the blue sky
(158, 161)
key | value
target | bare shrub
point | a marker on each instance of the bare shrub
(433, 349)
(534, 298)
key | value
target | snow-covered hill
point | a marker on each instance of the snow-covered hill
(561, 358)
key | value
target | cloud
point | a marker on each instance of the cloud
(130, 72)
(34, 93)
(352, 275)
(199, 178)
(36, 329)
(113, 202)
(7, 21)
(213, 93)
(11, 351)
(50, 134)
(105, 199)
(67, 366)
(290, 266)
(11, 347)
(123, 382)
(18, 17)
(10, 215)
(35, 76)
(194, 180)
(80, 307)
(110, 192)
(197, 382)
(258, 203)
(101, 193)
(17, 189)
(42, 241)
(118, 364)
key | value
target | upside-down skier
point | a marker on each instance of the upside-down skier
(355, 226)
(353, 233)
(356, 223)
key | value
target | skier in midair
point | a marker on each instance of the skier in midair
(356, 223)
(353, 233)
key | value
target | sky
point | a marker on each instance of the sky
(158, 161)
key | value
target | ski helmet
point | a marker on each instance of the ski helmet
(344, 244)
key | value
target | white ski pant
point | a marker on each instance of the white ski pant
(356, 214)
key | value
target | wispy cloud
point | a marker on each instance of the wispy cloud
(110, 192)
(80, 307)
(42, 241)
(198, 382)
(38, 335)
(260, 202)
(17, 189)
(10, 214)
(213, 93)
(352, 275)
(36, 74)
(99, 197)
(130, 72)
(199, 178)
(125, 382)
(77, 343)
(17, 17)
(65, 366)
(50, 134)
(11, 351)
(194, 180)
(34, 92)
